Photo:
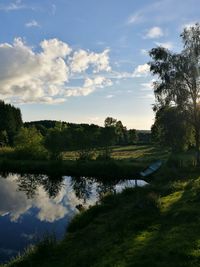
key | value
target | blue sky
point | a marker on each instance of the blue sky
(84, 60)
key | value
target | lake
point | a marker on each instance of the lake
(33, 206)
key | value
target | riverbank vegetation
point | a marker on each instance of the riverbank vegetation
(157, 225)
(124, 162)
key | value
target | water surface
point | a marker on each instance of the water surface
(32, 206)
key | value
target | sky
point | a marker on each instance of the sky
(83, 60)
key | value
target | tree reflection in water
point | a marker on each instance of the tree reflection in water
(82, 187)
(85, 187)
(28, 183)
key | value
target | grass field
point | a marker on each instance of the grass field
(130, 153)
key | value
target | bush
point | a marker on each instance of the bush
(29, 144)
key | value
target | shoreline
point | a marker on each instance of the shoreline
(95, 168)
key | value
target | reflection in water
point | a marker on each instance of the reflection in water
(29, 183)
(33, 205)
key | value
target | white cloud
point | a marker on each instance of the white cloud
(27, 76)
(167, 45)
(89, 86)
(141, 70)
(155, 32)
(32, 23)
(82, 60)
(50, 210)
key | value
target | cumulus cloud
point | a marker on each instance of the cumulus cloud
(27, 76)
(82, 60)
(155, 32)
(90, 85)
(32, 23)
(141, 70)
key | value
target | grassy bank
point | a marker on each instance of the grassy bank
(125, 162)
(156, 226)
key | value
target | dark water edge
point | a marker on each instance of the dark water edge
(101, 169)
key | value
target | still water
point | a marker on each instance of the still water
(32, 206)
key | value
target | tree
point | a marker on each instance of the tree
(110, 122)
(171, 128)
(54, 142)
(121, 133)
(10, 120)
(3, 138)
(29, 144)
(132, 136)
(179, 78)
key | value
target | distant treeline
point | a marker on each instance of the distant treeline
(48, 138)
(120, 134)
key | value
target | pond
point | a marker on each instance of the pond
(33, 206)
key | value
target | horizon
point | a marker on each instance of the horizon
(73, 64)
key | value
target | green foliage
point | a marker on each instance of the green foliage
(110, 122)
(132, 136)
(54, 143)
(10, 121)
(171, 128)
(29, 144)
(3, 138)
(62, 137)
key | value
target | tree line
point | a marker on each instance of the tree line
(48, 139)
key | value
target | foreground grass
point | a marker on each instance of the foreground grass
(158, 226)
